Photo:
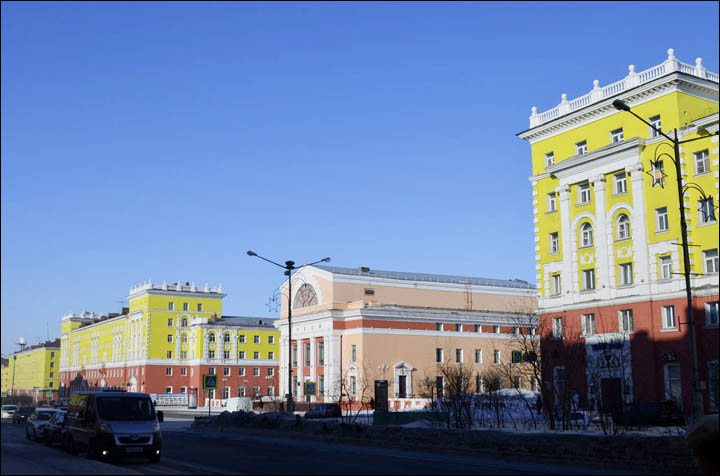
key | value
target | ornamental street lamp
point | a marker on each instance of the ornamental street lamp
(289, 268)
(697, 402)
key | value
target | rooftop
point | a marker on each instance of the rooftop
(430, 278)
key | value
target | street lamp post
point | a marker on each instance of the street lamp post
(289, 268)
(697, 403)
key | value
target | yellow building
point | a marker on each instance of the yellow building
(33, 371)
(608, 248)
(165, 340)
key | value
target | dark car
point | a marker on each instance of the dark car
(22, 413)
(324, 410)
(653, 413)
(54, 430)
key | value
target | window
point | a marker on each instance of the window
(211, 370)
(184, 339)
(711, 314)
(673, 386)
(211, 337)
(586, 235)
(226, 354)
(458, 328)
(661, 219)
(369, 292)
(581, 147)
(211, 394)
(623, 227)
(294, 356)
(270, 371)
(51, 374)
(551, 202)
(183, 389)
(353, 386)
(256, 339)
(242, 338)
(52, 364)
(271, 391)
(668, 317)
(626, 274)
(702, 162)
(170, 322)
(226, 371)
(439, 386)
(533, 384)
(479, 384)
(655, 126)
(710, 260)
(52, 355)
(458, 356)
(321, 353)
(241, 371)
(478, 328)
(168, 371)
(184, 322)
(583, 193)
(665, 267)
(199, 307)
(620, 183)
(353, 353)
(226, 338)
(626, 320)
(517, 381)
(226, 392)
(169, 354)
(256, 371)
(321, 385)
(170, 338)
(241, 391)
(588, 279)
(241, 354)
(306, 354)
(616, 135)
(271, 339)
(183, 372)
(588, 324)
(211, 354)
(554, 243)
(186, 306)
(171, 306)
(256, 355)
(438, 326)
(496, 356)
(549, 159)
(706, 211)
(555, 284)
(439, 356)
(168, 389)
(496, 329)
(271, 355)
(516, 331)
(478, 356)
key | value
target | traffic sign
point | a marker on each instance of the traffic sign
(49, 394)
(309, 388)
(4, 394)
(209, 381)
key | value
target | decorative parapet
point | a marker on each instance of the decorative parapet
(633, 79)
(149, 285)
(85, 315)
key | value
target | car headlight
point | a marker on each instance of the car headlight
(156, 427)
(106, 427)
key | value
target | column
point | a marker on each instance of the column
(638, 223)
(602, 260)
(313, 365)
(569, 279)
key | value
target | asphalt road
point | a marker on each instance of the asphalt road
(189, 452)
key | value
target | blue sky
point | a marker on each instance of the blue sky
(163, 140)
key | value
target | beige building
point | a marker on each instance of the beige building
(361, 325)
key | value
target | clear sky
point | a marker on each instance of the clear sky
(163, 140)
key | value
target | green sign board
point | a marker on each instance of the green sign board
(209, 381)
(4, 394)
(49, 394)
(309, 388)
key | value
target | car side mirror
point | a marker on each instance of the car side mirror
(160, 416)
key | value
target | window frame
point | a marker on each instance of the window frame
(588, 279)
(625, 316)
(617, 136)
(555, 284)
(554, 238)
(710, 259)
(667, 312)
(581, 147)
(584, 195)
(622, 228)
(702, 157)
(655, 123)
(586, 235)
(625, 274)
(661, 218)
(588, 320)
(549, 159)
(709, 306)
(551, 202)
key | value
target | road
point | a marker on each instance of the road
(188, 452)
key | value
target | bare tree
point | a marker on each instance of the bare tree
(458, 392)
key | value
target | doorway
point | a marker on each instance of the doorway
(402, 391)
(611, 391)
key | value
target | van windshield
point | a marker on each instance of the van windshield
(125, 408)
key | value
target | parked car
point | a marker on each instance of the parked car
(583, 418)
(652, 413)
(22, 413)
(8, 411)
(35, 422)
(54, 430)
(108, 424)
(324, 410)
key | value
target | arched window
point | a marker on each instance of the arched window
(587, 235)
(184, 339)
(184, 322)
(623, 227)
(305, 297)
(211, 338)
(226, 338)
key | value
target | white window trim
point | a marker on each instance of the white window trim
(664, 320)
(620, 321)
(708, 305)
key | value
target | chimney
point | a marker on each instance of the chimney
(125, 310)
(364, 269)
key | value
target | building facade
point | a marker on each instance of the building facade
(351, 327)
(168, 337)
(612, 303)
(34, 372)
